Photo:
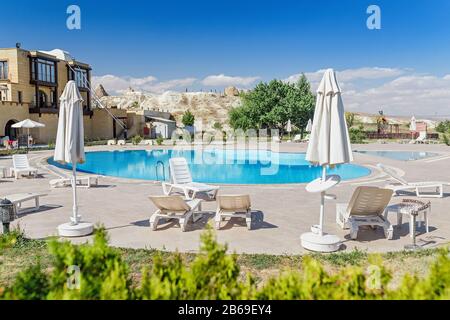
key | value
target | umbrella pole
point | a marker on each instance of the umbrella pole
(322, 201)
(74, 190)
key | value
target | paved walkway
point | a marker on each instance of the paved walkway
(283, 212)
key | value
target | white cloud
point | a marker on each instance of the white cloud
(405, 95)
(161, 87)
(222, 80)
(347, 75)
(115, 85)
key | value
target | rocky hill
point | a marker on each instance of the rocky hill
(211, 107)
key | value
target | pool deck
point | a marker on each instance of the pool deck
(281, 212)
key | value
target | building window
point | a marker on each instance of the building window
(45, 70)
(81, 77)
(19, 96)
(3, 70)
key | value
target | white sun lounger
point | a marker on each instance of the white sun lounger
(21, 165)
(18, 198)
(180, 178)
(234, 206)
(403, 185)
(174, 207)
(82, 181)
(367, 207)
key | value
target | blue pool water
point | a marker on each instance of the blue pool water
(401, 155)
(213, 166)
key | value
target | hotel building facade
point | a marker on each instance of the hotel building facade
(31, 83)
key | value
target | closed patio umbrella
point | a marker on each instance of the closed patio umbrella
(28, 124)
(413, 126)
(289, 128)
(69, 149)
(309, 126)
(329, 145)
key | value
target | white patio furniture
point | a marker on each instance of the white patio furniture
(121, 142)
(418, 187)
(181, 179)
(413, 209)
(233, 206)
(367, 207)
(18, 198)
(112, 142)
(21, 166)
(175, 207)
(81, 181)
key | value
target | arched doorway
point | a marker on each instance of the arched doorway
(9, 131)
(42, 99)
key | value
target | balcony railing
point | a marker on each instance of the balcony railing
(53, 109)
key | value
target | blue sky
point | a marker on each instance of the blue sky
(169, 45)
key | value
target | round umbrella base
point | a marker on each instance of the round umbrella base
(78, 230)
(320, 243)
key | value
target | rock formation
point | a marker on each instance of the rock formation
(100, 91)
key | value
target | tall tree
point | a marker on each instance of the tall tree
(271, 105)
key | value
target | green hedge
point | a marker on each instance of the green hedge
(213, 274)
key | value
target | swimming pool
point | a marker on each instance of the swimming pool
(212, 166)
(401, 155)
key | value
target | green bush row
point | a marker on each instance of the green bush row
(213, 274)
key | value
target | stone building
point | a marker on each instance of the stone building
(31, 83)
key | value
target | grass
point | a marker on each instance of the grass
(20, 253)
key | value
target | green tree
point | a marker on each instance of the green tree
(271, 105)
(350, 119)
(188, 119)
(443, 126)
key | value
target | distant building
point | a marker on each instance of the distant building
(31, 83)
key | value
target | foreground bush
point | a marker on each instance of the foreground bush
(100, 273)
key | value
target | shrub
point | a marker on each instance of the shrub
(446, 139)
(136, 140)
(159, 140)
(188, 119)
(214, 274)
(31, 284)
(357, 135)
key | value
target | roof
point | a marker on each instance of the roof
(159, 119)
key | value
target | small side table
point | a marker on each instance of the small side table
(412, 208)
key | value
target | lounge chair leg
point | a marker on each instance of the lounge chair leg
(154, 221)
(248, 220)
(183, 222)
(217, 220)
(37, 205)
(426, 221)
(388, 231)
(353, 230)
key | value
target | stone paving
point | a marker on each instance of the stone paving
(281, 212)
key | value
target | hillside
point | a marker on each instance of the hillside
(211, 107)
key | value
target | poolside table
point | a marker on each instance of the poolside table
(412, 208)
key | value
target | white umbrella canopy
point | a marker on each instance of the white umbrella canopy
(70, 135)
(28, 124)
(413, 124)
(70, 149)
(329, 143)
(309, 126)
